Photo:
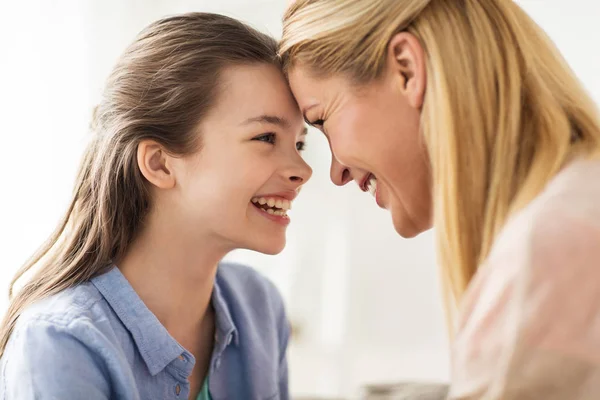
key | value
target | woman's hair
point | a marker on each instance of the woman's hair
(160, 89)
(502, 113)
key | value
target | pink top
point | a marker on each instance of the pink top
(530, 321)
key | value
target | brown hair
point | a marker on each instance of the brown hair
(160, 89)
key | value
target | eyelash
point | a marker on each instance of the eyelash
(318, 123)
(270, 138)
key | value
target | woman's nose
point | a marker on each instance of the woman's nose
(340, 174)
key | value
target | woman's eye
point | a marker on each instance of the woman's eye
(318, 122)
(300, 146)
(267, 138)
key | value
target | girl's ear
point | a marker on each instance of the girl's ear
(154, 163)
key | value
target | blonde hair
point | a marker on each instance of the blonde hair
(502, 114)
(160, 89)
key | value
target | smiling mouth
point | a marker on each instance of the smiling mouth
(370, 185)
(273, 206)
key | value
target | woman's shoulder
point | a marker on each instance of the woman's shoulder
(553, 244)
(566, 213)
(574, 192)
(536, 295)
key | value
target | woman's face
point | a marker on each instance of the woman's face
(374, 132)
(241, 183)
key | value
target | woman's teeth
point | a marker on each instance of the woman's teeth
(372, 186)
(273, 206)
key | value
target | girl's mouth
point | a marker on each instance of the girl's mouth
(274, 207)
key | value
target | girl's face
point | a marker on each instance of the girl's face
(238, 187)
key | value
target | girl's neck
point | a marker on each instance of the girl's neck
(173, 275)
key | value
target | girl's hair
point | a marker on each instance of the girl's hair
(160, 89)
(502, 113)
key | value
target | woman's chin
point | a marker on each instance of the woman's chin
(405, 226)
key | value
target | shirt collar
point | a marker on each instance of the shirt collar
(226, 331)
(157, 347)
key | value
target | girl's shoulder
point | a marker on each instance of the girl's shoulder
(62, 332)
(81, 303)
(244, 287)
(246, 281)
(243, 294)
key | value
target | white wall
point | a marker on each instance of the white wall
(366, 302)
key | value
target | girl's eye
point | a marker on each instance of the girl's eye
(267, 138)
(300, 146)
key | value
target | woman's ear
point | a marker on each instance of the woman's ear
(406, 63)
(154, 163)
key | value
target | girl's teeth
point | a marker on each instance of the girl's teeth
(270, 211)
(279, 203)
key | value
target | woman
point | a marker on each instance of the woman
(461, 114)
(195, 152)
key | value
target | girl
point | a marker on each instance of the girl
(195, 152)
(463, 115)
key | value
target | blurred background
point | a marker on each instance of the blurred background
(364, 303)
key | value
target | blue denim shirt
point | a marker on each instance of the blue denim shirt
(99, 341)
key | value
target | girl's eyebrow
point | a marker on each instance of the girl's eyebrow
(273, 120)
(268, 119)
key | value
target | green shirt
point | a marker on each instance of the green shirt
(204, 394)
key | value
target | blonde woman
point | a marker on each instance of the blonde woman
(461, 114)
(196, 151)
